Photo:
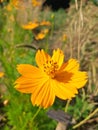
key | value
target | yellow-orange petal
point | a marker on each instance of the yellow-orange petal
(42, 34)
(30, 25)
(58, 57)
(63, 76)
(76, 80)
(41, 58)
(30, 71)
(26, 84)
(1, 74)
(62, 91)
(31, 77)
(70, 75)
(43, 96)
(79, 79)
(36, 3)
(71, 65)
(45, 23)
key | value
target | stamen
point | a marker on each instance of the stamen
(50, 68)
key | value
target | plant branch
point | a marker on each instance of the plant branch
(87, 118)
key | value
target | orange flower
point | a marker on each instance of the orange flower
(31, 25)
(15, 3)
(36, 3)
(35, 24)
(51, 78)
(1, 74)
(64, 37)
(45, 23)
(9, 7)
(41, 35)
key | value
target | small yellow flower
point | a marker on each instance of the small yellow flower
(1, 74)
(15, 2)
(41, 35)
(9, 7)
(64, 37)
(12, 3)
(30, 25)
(52, 78)
(45, 23)
(35, 3)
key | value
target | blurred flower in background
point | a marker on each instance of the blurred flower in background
(30, 25)
(45, 23)
(42, 34)
(1, 74)
(17, 4)
(64, 37)
(36, 3)
(38, 28)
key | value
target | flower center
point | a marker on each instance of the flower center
(50, 68)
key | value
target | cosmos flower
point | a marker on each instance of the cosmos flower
(52, 78)
(45, 23)
(64, 37)
(9, 7)
(33, 25)
(17, 4)
(1, 74)
(42, 34)
(30, 25)
(35, 3)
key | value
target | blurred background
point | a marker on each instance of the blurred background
(29, 25)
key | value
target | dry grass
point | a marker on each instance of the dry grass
(82, 32)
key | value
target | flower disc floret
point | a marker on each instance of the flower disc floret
(50, 68)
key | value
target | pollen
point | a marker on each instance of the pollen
(50, 68)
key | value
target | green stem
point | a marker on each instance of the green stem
(47, 44)
(67, 104)
(52, 26)
(84, 121)
(36, 113)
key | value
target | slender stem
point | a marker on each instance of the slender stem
(80, 25)
(76, 2)
(47, 44)
(53, 23)
(84, 121)
(67, 104)
(36, 113)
